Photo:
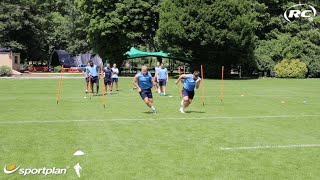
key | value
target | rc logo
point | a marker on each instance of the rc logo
(300, 11)
(11, 169)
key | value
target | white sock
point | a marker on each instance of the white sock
(153, 108)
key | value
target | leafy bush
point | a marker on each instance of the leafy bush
(314, 68)
(305, 47)
(57, 69)
(292, 68)
(5, 71)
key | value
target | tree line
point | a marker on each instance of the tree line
(251, 34)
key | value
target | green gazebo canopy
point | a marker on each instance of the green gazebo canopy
(135, 53)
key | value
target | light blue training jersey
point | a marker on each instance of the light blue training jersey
(93, 71)
(144, 80)
(189, 83)
(162, 73)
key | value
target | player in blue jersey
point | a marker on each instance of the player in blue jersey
(107, 78)
(144, 82)
(93, 72)
(190, 82)
(115, 76)
(163, 78)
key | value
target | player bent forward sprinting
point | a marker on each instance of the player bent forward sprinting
(144, 82)
(190, 82)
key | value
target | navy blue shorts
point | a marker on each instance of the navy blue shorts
(146, 93)
(162, 82)
(115, 80)
(185, 92)
(107, 81)
(95, 79)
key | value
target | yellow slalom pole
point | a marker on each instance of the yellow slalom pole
(90, 87)
(180, 83)
(59, 85)
(222, 84)
(103, 89)
(202, 85)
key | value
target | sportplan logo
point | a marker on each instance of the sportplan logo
(34, 171)
(11, 169)
(300, 11)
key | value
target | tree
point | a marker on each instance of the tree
(280, 39)
(17, 30)
(10, 18)
(37, 27)
(114, 26)
(287, 46)
(61, 28)
(214, 33)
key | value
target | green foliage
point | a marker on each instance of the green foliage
(279, 39)
(252, 34)
(57, 69)
(114, 26)
(314, 68)
(11, 22)
(5, 71)
(292, 68)
(212, 32)
(65, 30)
(37, 27)
(285, 46)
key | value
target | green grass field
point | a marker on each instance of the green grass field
(126, 141)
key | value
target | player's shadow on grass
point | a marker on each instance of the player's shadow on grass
(198, 112)
(148, 112)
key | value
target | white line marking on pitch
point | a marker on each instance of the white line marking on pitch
(125, 96)
(155, 119)
(271, 147)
